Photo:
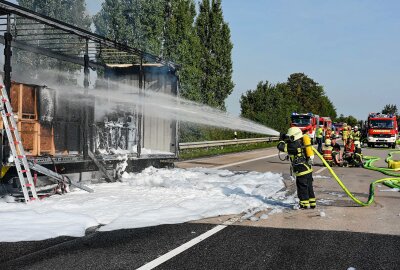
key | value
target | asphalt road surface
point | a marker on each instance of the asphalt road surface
(338, 234)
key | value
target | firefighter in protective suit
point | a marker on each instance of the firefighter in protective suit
(299, 154)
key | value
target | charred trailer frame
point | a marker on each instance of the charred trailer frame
(51, 124)
(44, 127)
(152, 132)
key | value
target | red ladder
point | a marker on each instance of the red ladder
(17, 149)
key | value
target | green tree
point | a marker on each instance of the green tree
(182, 45)
(160, 27)
(138, 23)
(310, 96)
(350, 120)
(272, 105)
(216, 61)
(326, 107)
(268, 105)
(390, 109)
(70, 11)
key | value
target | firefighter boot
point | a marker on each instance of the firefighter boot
(304, 204)
(313, 203)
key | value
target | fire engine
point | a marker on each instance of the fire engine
(338, 128)
(326, 122)
(307, 122)
(382, 129)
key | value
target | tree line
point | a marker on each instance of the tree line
(196, 38)
(272, 104)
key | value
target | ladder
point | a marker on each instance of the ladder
(17, 149)
(55, 177)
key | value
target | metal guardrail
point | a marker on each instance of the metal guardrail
(193, 145)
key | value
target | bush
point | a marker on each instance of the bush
(198, 133)
(214, 151)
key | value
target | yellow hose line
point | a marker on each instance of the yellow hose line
(372, 186)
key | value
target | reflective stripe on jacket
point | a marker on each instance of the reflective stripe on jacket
(356, 135)
(327, 152)
(298, 158)
(345, 134)
(320, 133)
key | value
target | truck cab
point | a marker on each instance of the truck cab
(326, 122)
(382, 130)
(338, 128)
(307, 122)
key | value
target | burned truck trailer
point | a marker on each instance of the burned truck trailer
(68, 131)
(52, 125)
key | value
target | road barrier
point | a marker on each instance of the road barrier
(193, 145)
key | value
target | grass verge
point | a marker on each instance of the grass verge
(220, 150)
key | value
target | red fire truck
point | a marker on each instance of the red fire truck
(307, 122)
(382, 130)
(338, 128)
(326, 122)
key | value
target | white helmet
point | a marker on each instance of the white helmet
(355, 127)
(295, 133)
(328, 142)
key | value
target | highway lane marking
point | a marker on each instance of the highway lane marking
(320, 170)
(187, 245)
(200, 238)
(242, 162)
(255, 159)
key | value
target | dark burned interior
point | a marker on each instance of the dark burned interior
(58, 130)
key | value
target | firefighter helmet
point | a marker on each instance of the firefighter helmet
(328, 142)
(294, 133)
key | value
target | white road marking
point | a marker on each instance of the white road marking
(244, 161)
(320, 170)
(187, 245)
(205, 235)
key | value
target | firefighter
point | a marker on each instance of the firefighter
(327, 152)
(328, 133)
(293, 144)
(319, 134)
(349, 149)
(336, 154)
(356, 134)
(345, 134)
(358, 157)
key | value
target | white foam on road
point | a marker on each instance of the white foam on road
(153, 197)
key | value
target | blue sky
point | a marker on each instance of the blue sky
(351, 47)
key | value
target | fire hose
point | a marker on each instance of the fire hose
(393, 182)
